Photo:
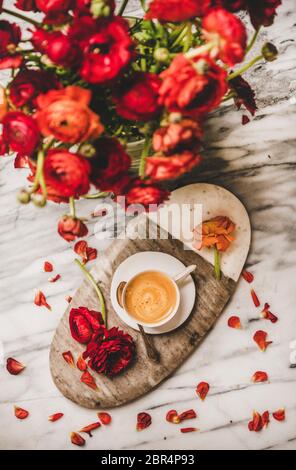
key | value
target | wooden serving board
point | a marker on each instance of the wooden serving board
(212, 295)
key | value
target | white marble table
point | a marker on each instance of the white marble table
(257, 162)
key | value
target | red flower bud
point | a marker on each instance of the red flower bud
(20, 132)
(84, 323)
(62, 51)
(71, 228)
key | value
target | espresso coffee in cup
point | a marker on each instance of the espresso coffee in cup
(150, 297)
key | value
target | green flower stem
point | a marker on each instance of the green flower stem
(188, 38)
(92, 281)
(253, 40)
(217, 263)
(122, 7)
(39, 179)
(245, 67)
(20, 16)
(96, 195)
(72, 207)
(142, 165)
(182, 34)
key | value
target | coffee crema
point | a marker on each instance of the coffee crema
(150, 297)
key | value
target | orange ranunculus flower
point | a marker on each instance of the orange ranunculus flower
(3, 103)
(65, 115)
(215, 232)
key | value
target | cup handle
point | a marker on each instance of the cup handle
(179, 277)
(119, 292)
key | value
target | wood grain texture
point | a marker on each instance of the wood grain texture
(143, 375)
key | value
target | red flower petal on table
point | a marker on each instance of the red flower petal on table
(54, 278)
(48, 267)
(260, 338)
(76, 439)
(259, 376)
(265, 419)
(189, 414)
(280, 414)
(173, 417)
(21, 161)
(40, 300)
(266, 313)
(256, 423)
(144, 420)
(202, 390)
(81, 364)
(87, 253)
(105, 418)
(20, 413)
(255, 298)
(55, 417)
(68, 356)
(88, 380)
(69, 299)
(234, 322)
(245, 119)
(14, 367)
(248, 276)
(90, 427)
(186, 430)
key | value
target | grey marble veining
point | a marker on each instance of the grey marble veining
(256, 162)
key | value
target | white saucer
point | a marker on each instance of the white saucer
(162, 262)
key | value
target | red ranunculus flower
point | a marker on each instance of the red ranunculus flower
(66, 174)
(26, 5)
(145, 193)
(228, 32)
(262, 12)
(192, 87)
(71, 228)
(10, 36)
(40, 39)
(176, 10)
(84, 323)
(54, 6)
(109, 164)
(177, 136)
(20, 132)
(244, 94)
(28, 84)
(107, 47)
(137, 97)
(63, 51)
(160, 168)
(110, 351)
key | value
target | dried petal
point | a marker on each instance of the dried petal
(245, 119)
(76, 439)
(68, 356)
(257, 421)
(255, 298)
(90, 427)
(202, 390)
(234, 322)
(251, 426)
(86, 252)
(279, 414)
(20, 413)
(81, 364)
(185, 430)
(55, 417)
(189, 414)
(260, 338)
(55, 278)
(69, 299)
(173, 417)
(40, 300)
(266, 313)
(144, 420)
(265, 419)
(88, 380)
(248, 276)
(14, 367)
(21, 161)
(105, 418)
(48, 267)
(259, 376)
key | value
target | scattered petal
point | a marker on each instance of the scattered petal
(144, 420)
(69, 299)
(14, 367)
(266, 313)
(88, 380)
(234, 322)
(248, 276)
(259, 376)
(185, 430)
(48, 267)
(76, 439)
(68, 356)
(260, 338)
(173, 417)
(90, 427)
(245, 119)
(105, 418)
(189, 414)
(256, 423)
(279, 414)
(55, 417)
(81, 364)
(20, 413)
(40, 300)
(265, 419)
(21, 161)
(255, 298)
(55, 278)
(84, 251)
(202, 390)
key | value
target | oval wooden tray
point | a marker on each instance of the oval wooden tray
(212, 295)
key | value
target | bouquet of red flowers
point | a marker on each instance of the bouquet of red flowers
(86, 82)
